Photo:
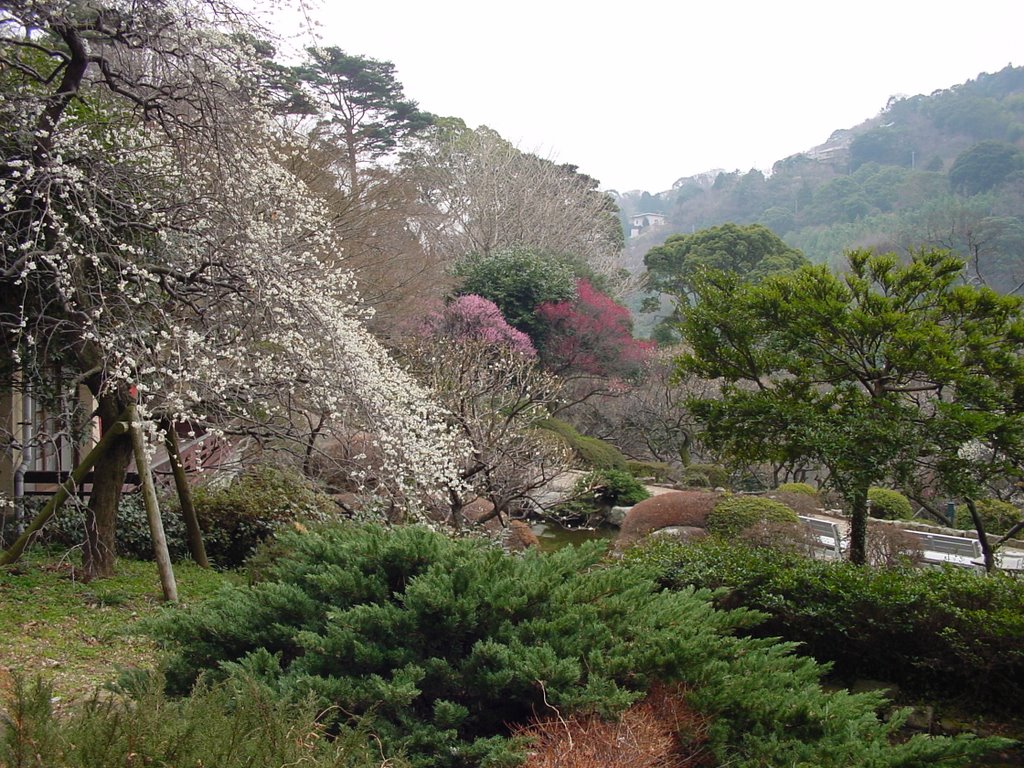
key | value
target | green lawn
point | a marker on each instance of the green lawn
(79, 635)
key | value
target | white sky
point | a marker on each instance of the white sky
(641, 94)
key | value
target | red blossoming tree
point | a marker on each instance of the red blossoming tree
(591, 335)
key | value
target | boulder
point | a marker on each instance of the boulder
(479, 508)
(617, 515)
(681, 533)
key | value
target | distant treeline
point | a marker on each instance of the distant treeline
(945, 169)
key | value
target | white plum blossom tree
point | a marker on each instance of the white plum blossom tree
(154, 246)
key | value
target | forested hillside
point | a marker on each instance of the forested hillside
(945, 169)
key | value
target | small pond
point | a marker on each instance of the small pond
(554, 536)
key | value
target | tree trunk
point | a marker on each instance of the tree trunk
(979, 526)
(108, 480)
(352, 161)
(858, 525)
(684, 450)
(456, 504)
(314, 433)
(188, 510)
(66, 489)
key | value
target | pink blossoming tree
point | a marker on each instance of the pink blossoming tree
(474, 318)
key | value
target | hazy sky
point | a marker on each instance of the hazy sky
(638, 94)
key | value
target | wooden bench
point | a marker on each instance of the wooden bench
(826, 536)
(941, 549)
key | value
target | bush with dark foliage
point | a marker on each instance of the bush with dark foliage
(442, 647)
(934, 631)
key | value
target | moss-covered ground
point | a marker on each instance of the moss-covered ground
(80, 634)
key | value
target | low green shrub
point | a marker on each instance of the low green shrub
(887, 504)
(717, 475)
(132, 536)
(657, 470)
(947, 632)
(805, 488)
(734, 514)
(595, 493)
(997, 516)
(590, 450)
(228, 727)
(610, 488)
(237, 518)
(441, 647)
(694, 478)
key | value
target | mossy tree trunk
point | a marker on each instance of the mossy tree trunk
(858, 501)
(100, 551)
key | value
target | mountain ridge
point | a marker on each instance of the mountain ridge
(927, 169)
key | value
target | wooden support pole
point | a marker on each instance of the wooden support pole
(188, 509)
(156, 525)
(66, 488)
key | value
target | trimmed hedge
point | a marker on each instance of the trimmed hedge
(694, 478)
(998, 516)
(804, 488)
(658, 470)
(734, 514)
(590, 450)
(717, 475)
(887, 504)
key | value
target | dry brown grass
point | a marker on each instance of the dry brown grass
(661, 731)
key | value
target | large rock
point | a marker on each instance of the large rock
(617, 515)
(476, 510)
(681, 533)
(678, 509)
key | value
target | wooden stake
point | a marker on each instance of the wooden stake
(156, 525)
(188, 510)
